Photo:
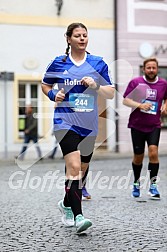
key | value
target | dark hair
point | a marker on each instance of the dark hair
(148, 60)
(68, 34)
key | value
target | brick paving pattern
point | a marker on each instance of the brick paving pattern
(30, 220)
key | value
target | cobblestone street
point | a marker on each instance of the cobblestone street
(30, 220)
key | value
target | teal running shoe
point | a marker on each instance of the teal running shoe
(81, 223)
(67, 214)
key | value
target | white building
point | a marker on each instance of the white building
(124, 32)
(32, 34)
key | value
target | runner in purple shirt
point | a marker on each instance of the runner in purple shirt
(147, 96)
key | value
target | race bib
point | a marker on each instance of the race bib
(153, 109)
(81, 102)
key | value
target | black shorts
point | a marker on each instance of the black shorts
(71, 141)
(139, 138)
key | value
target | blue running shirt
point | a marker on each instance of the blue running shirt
(78, 111)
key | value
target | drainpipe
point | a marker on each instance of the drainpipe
(116, 76)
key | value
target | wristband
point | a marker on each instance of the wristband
(52, 95)
(97, 86)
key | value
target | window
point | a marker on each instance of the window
(28, 94)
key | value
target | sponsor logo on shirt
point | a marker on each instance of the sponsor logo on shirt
(65, 72)
(69, 82)
(151, 93)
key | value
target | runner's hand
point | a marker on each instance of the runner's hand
(60, 96)
(88, 82)
(145, 106)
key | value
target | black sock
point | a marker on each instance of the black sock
(74, 196)
(137, 170)
(66, 197)
(85, 177)
(153, 168)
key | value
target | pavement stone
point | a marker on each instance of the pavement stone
(30, 220)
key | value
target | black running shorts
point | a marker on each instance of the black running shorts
(139, 138)
(71, 141)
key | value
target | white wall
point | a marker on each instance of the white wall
(71, 8)
(23, 44)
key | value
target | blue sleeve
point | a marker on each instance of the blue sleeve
(106, 75)
(49, 75)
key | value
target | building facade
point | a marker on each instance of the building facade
(141, 33)
(32, 34)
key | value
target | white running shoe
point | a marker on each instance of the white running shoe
(67, 214)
